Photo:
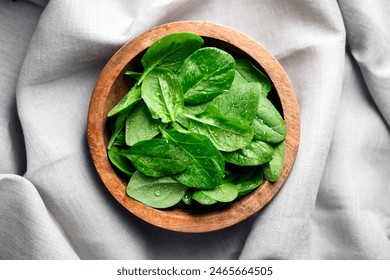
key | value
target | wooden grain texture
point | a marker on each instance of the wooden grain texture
(111, 86)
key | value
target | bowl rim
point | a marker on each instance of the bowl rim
(177, 219)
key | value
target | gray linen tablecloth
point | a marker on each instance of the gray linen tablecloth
(334, 205)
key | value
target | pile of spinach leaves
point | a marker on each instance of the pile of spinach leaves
(197, 129)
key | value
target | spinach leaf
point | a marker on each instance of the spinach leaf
(225, 192)
(189, 110)
(157, 157)
(119, 124)
(245, 178)
(252, 74)
(205, 74)
(140, 125)
(162, 93)
(237, 174)
(170, 51)
(120, 139)
(226, 133)
(273, 168)
(195, 109)
(187, 198)
(135, 75)
(131, 98)
(229, 175)
(242, 173)
(268, 124)
(238, 78)
(160, 192)
(256, 153)
(245, 186)
(202, 198)
(240, 102)
(179, 127)
(121, 162)
(205, 162)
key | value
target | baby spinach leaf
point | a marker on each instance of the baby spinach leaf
(237, 174)
(238, 78)
(252, 74)
(243, 173)
(189, 110)
(246, 186)
(131, 98)
(268, 124)
(240, 102)
(205, 162)
(229, 175)
(118, 126)
(178, 127)
(273, 168)
(205, 74)
(121, 162)
(162, 93)
(195, 109)
(140, 125)
(226, 133)
(202, 198)
(170, 51)
(187, 198)
(256, 153)
(135, 75)
(160, 192)
(157, 157)
(120, 139)
(225, 192)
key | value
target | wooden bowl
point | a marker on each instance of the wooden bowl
(111, 86)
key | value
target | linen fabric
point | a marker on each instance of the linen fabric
(334, 205)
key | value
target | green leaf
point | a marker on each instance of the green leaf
(162, 93)
(157, 157)
(273, 168)
(225, 192)
(205, 74)
(140, 125)
(242, 173)
(256, 153)
(205, 165)
(268, 124)
(120, 139)
(170, 51)
(252, 74)
(160, 192)
(246, 185)
(240, 102)
(128, 101)
(226, 133)
(202, 198)
(195, 109)
(179, 127)
(121, 162)
(119, 124)
(187, 198)
(238, 173)
(135, 75)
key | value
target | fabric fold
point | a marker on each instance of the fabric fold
(27, 230)
(335, 203)
(310, 61)
(14, 42)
